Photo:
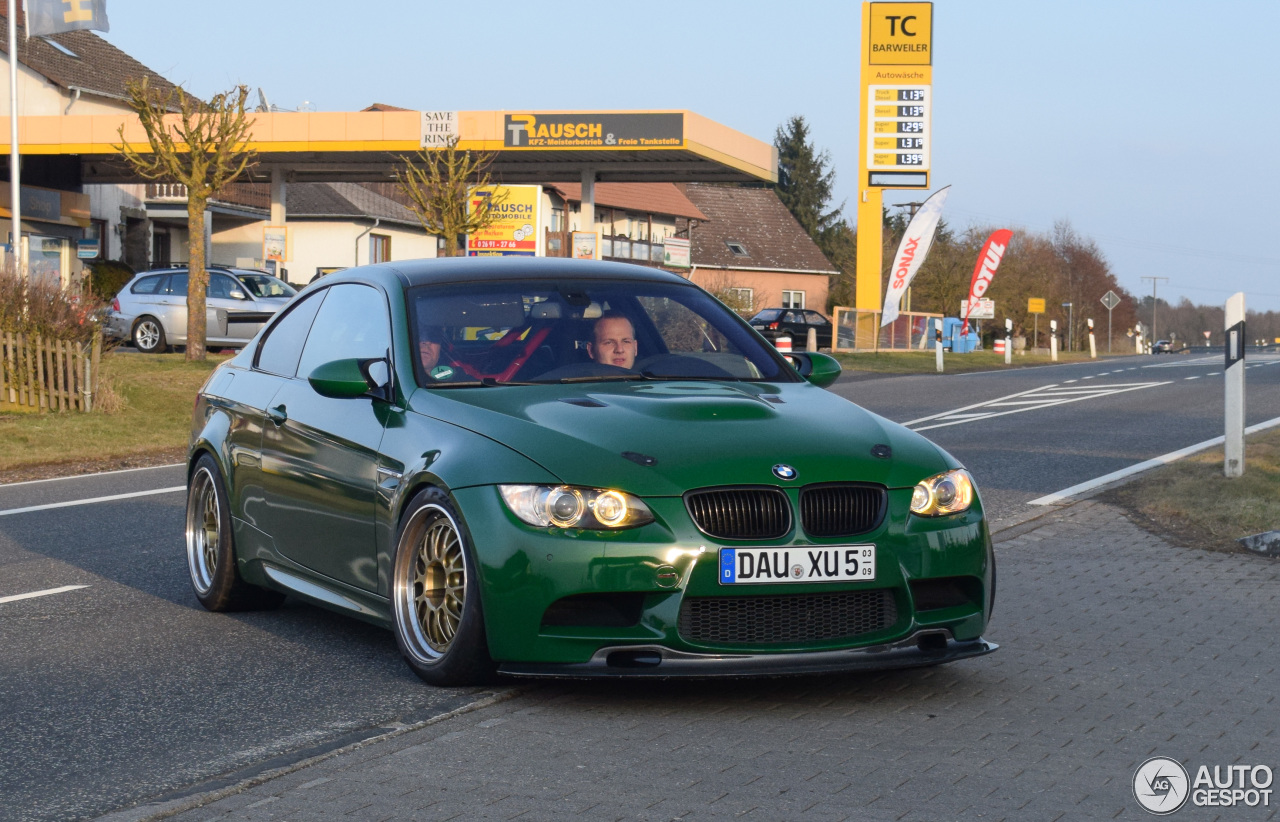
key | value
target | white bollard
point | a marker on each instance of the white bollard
(1053, 340)
(811, 344)
(1093, 345)
(1008, 341)
(937, 349)
(1233, 465)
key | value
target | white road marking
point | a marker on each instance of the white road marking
(1087, 378)
(91, 500)
(86, 476)
(1031, 400)
(1196, 377)
(1068, 382)
(45, 593)
(1165, 459)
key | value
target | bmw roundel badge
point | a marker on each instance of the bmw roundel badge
(784, 472)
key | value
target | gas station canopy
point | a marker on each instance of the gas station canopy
(365, 146)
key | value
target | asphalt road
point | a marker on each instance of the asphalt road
(1068, 423)
(126, 689)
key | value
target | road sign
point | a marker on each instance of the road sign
(1111, 299)
(982, 309)
(1035, 305)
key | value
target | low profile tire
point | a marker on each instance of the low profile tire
(435, 602)
(148, 336)
(211, 552)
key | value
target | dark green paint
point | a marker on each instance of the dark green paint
(308, 496)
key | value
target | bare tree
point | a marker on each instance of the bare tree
(202, 146)
(438, 183)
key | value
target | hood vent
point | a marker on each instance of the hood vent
(584, 402)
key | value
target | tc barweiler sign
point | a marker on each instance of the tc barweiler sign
(587, 130)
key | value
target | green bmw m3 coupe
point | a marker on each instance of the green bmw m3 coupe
(547, 467)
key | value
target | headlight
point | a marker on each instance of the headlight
(951, 492)
(568, 506)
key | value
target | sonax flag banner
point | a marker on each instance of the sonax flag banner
(911, 252)
(57, 16)
(984, 271)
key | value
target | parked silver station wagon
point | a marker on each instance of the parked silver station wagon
(152, 309)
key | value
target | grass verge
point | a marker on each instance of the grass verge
(152, 420)
(922, 362)
(1191, 503)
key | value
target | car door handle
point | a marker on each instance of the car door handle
(278, 414)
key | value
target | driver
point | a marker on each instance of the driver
(429, 355)
(614, 341)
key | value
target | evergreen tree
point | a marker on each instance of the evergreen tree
(804, 179)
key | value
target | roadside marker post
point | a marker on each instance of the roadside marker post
(1137, 338)
(1008, 341)
(1093, 344)
(783, 344)
(811, 344)
(1053, 340)
(937, 346)
(1233, 379)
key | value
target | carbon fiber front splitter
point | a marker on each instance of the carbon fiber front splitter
(928, 647)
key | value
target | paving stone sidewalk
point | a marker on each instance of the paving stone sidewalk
(1116, 647)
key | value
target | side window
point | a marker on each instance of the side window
(177, 285)
(280, 351)
(147, 285)
(815, 318)
(352, 323)
(220, 286)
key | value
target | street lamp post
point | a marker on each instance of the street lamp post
(1071, 326)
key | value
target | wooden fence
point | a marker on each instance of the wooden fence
(48, 375)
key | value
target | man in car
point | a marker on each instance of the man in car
(614, 341)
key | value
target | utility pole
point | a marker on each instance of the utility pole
(1154, 304)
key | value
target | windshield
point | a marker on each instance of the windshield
(264, 285)
(767, 316)
(585, 331)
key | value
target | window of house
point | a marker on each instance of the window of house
(379, 248)
(557, 219)
(793, 299)
(737, 249)
(60, 47)
(743, 298)
(97, 230)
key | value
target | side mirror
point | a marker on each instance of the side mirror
(819, 369)
(344, 379)
(237, 294)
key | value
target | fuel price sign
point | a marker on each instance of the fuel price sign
(898, 127)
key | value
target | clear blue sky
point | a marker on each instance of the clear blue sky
(1150, 126)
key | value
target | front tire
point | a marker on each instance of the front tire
(148, 336)
(211, 553)
(435, 601)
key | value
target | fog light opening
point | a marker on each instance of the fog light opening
(633, 659)
(932, 643)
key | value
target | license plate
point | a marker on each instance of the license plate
(845, 563)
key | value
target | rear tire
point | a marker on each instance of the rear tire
(435, 599)
(148, 335)
(211, 551)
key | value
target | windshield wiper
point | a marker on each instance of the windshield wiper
(649, 375)
(606, 378)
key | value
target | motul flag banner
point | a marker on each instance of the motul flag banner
(911, 252)
(57, 16)
(985, 269)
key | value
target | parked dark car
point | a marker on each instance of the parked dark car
(795, 323)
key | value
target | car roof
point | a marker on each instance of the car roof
(472, 269)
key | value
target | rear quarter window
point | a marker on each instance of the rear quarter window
(147, 285)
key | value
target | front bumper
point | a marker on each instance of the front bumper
(923, 648)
